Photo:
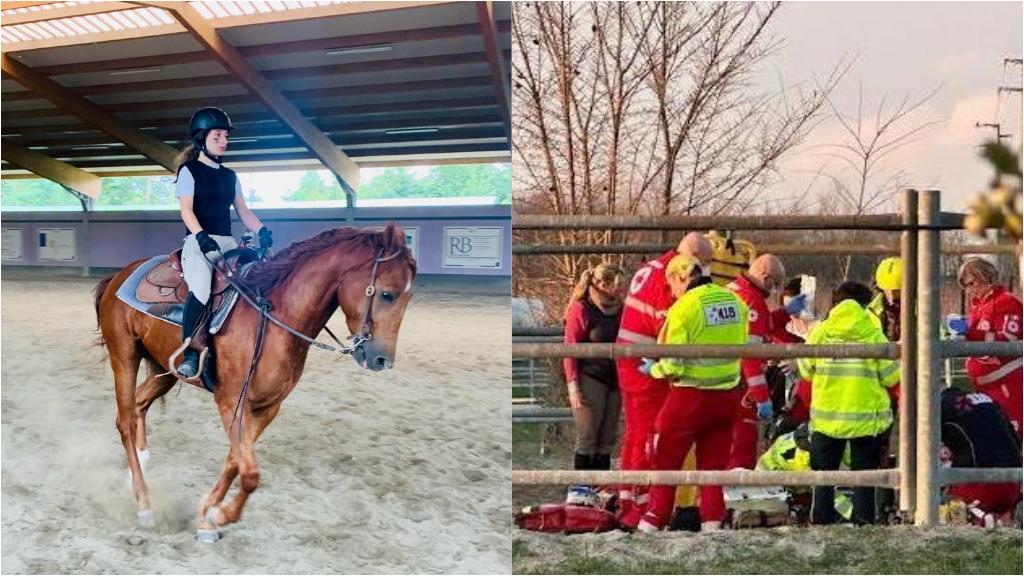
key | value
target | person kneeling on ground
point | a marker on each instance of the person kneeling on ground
(791, 452)
(977, 434)
(850, 401)
(704, 395)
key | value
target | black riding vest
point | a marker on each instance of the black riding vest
(601, 329)
(215, 193)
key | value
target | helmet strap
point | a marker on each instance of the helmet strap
(201, 144)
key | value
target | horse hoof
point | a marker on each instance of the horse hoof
(207, 536)
(146, 519)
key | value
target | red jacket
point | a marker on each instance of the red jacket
(995, 317)
(760, 332)
(647, 303)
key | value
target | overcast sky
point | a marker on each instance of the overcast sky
(908, 48)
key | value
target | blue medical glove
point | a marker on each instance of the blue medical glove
(764, 411)
(796, 305)
(957, 325)
(646, 365)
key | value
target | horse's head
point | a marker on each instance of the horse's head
(377, 309)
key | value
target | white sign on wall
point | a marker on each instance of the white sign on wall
(472, 247)
(10, 244)
(412, 240)
(57, 244)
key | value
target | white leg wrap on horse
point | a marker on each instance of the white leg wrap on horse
(146, 518)
(209, 536)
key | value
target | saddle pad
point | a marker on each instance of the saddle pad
(172, 313)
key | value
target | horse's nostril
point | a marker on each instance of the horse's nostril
(380, 362)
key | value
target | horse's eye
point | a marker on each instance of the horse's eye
(387, 296)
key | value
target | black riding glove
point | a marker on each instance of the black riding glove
(266, 240)
(206, 244)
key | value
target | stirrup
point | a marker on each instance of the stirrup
(178, 352)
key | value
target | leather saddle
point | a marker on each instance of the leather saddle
(165, 282)
(158, 287)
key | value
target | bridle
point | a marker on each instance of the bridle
(263, 306)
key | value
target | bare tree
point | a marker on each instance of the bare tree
(645, 108)
(862, 183)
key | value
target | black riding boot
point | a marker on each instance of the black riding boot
(582, 462)
(601, 462)
(189, 366)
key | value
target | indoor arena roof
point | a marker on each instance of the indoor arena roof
(108, 87)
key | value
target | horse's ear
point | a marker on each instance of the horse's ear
(394, 235)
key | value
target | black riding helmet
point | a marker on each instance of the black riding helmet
(202, 122)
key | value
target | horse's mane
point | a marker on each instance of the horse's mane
(268, 274)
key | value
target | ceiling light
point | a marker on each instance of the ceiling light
(97, 147)
(134, 71)
(358, 50)
(243, 140)
(412, 131)
(13, 135)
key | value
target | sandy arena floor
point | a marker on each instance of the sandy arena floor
(402, 471)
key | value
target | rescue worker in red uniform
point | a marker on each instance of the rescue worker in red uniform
(764, 278)
(994, 316)
(642, 317)
(704, 394)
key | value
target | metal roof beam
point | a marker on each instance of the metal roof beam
(492, 44)
(64, 12)
(343, 168)
(336, 9)
(90, 113)
(62, 173)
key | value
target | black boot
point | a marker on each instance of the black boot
(601, 462)
(189, 366)
(582, 462)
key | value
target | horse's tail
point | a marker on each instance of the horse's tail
(98, 294)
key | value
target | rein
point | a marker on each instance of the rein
(263, 306)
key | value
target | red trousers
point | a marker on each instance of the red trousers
(1007, 392)
(744, 436)
(690, 415)
(642, 398)
(992, 498)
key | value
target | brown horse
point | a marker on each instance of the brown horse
(305, 284)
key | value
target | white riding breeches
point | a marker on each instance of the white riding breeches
(199, 272)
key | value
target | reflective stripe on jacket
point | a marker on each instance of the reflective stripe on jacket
(849, 397)
(707, 314)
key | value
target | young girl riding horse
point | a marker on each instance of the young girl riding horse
(206, 191)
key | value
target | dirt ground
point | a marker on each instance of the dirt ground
(401, 471)
(843, 549)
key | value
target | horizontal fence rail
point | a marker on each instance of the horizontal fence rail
(949, 349)
(769, 351)
(777, 249)
(885, 478)
(885, 222)
(980, 475)
(963, 349)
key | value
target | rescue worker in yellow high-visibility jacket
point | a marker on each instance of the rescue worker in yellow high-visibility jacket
(850, 401)
(704, 396)
(885, 308)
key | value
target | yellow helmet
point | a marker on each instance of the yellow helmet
(682, 267)
(889, 275)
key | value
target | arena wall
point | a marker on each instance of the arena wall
(114, 239)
